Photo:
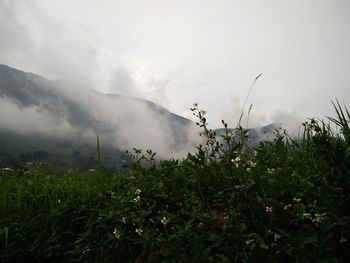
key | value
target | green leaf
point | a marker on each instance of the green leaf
(241, 227)
(310, 239)
(262, 244)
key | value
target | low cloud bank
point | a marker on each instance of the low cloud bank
(31, 105)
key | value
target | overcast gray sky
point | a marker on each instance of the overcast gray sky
(183, 51)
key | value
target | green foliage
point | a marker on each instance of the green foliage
(285, 201)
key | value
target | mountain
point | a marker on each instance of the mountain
(58, 121)
(58, 116)
(28, 89)
(256, 135)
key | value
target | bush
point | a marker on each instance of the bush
(284, 201)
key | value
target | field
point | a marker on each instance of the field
(285, 201)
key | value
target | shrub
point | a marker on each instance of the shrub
(285, 201)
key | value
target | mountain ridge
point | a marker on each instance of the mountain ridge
(82, 113)
(65, 111)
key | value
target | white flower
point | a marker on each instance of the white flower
(251, 164)
(139, 231)
(59, 201)
(307, 215)
(270, 170)
(287, 206)
(124, 220)
(138, 191)
(318, 218)
(247, 242)
(297, 199)
(137, 199)
(268, 209)
(116, 233)
(164, 220)
(236, 161)
(343, 240)
(249, 169)
(230, 135)
(276, 237)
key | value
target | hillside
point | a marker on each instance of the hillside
(35, 109)
(61, 120)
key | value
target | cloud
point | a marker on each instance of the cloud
(33, 41)
(64, 109)
(31, 120)
(290, 121)
(175, 53)
(15, 36)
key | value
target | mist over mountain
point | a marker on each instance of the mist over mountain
(83, 110)
(37, 114)
(33, 106)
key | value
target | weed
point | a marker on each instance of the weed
(285, 201)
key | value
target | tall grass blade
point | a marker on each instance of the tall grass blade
(250, 109)
(246, 99)
(98, 152)
(342, 120)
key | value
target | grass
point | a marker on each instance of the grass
(285, 201)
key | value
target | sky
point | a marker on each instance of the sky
(179, 52)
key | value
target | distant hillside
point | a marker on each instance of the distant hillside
(27, 89)
(63, 111)
(58, 121)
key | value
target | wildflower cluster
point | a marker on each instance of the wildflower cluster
(138, 197)
(116, 233)
(268, 209)
(236, 161)
(164, 221)
(139, 231)
(250, 164)
(316, 217)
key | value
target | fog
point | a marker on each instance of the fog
(175, 53)
(30, 121)
(31, 105)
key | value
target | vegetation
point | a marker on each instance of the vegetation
(285, 201)
(17, 150)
